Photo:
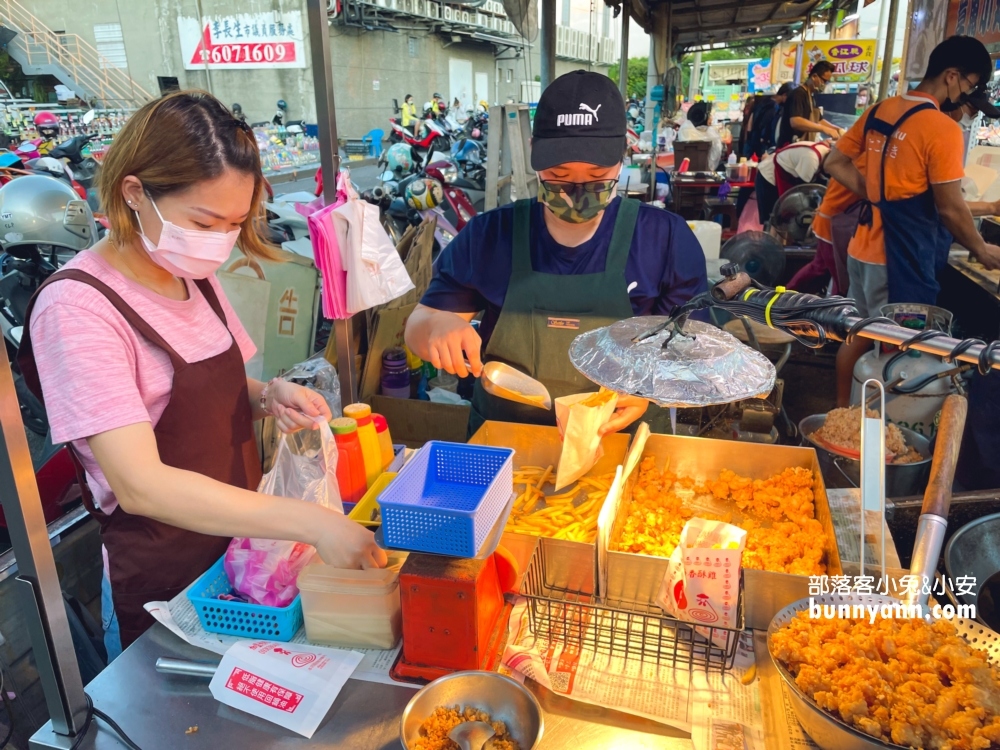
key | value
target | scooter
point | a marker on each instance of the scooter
(435, 139)
(82, 169)
(465, 197)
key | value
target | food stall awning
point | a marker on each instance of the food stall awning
(703, 22)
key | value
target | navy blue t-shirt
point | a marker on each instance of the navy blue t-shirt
(665, 267)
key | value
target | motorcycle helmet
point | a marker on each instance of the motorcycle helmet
(399, 159)
(237, 109)
(39, 210)
(47, 124)
(282, 104)
(424, 194)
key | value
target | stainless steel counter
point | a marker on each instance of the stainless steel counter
(157, 709)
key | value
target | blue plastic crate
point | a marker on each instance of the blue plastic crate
(236, 618)
(447, 498)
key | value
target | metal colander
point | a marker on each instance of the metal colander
(827, 730)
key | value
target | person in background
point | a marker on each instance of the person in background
(833, 225)
(408, 112)
(801, 120)
(906, 157)
(281, 114)
(544, 270)
(777, 173)
(698, 127)
(767, 122)
(238, 113)
(749, 107)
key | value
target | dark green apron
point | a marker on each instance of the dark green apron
(543, 312)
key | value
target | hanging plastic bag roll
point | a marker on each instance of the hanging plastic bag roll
(580, 418)
(304, 468)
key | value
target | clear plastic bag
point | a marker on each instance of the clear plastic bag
(319, 375)
(304, 468)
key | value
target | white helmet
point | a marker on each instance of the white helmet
(40, 210)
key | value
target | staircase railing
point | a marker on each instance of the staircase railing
(85, 65)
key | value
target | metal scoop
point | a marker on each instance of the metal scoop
(471, 735)
(503, 381)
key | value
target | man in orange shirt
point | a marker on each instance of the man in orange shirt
(906, 156)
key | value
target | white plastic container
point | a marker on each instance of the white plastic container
(352, 608)
(709, 234)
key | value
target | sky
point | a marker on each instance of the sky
(638, 42)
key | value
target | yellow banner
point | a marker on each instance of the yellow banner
(853, 60)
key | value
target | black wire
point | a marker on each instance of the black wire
(985, 357)
(91, 713)
(864, 323)
(930, 333)
(961, 348)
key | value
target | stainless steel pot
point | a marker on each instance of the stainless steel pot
(973, 550)
(841, 471)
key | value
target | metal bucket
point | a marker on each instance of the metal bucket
(974, 550)
(844, 472)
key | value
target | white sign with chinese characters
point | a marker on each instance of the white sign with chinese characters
(243, 40)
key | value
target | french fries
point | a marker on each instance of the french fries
(570, 515)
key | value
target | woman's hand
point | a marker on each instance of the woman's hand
(343, 543)
(295, 407)
(627, 410)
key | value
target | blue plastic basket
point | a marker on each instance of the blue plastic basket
(447, 498)
(237, 618)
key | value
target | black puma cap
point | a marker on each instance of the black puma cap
(580, 117)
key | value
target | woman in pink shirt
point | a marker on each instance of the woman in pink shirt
(140, 361)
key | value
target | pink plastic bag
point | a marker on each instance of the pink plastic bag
(305, 468)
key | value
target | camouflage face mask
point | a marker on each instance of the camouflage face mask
(576, 202)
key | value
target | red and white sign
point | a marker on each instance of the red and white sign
(247, 40)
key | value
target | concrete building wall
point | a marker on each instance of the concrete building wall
(360, 59)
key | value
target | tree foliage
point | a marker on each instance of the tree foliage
(636, 76)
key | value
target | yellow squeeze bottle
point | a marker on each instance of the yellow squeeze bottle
(370, 449)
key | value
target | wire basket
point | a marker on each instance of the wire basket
(627, 630)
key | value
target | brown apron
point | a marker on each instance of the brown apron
(207, 427)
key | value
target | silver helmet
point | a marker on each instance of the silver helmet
(40, 210)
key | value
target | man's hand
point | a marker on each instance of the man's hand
(627, 410)
(445, 339)
(989, 257)
(451, 341)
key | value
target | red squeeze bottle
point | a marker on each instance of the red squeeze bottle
(351, 477)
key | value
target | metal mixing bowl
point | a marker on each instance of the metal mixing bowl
(901, 480)
(501, 697)
(827, 730)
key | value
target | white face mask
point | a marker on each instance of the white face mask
(189, 253)
(968, 120)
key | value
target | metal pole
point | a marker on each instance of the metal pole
(880, 36)
(208, 72)
(623, 72)
(329, 152)
(695, 76)
(890, 41)
(548, 42)
(41, 601)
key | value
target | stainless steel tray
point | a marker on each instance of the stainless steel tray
(825, 729)
(573, 564)
(634, 578)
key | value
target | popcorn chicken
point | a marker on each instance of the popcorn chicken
(782, 532)
(909, 682)
(434, 731)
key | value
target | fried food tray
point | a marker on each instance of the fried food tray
(634, 578)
